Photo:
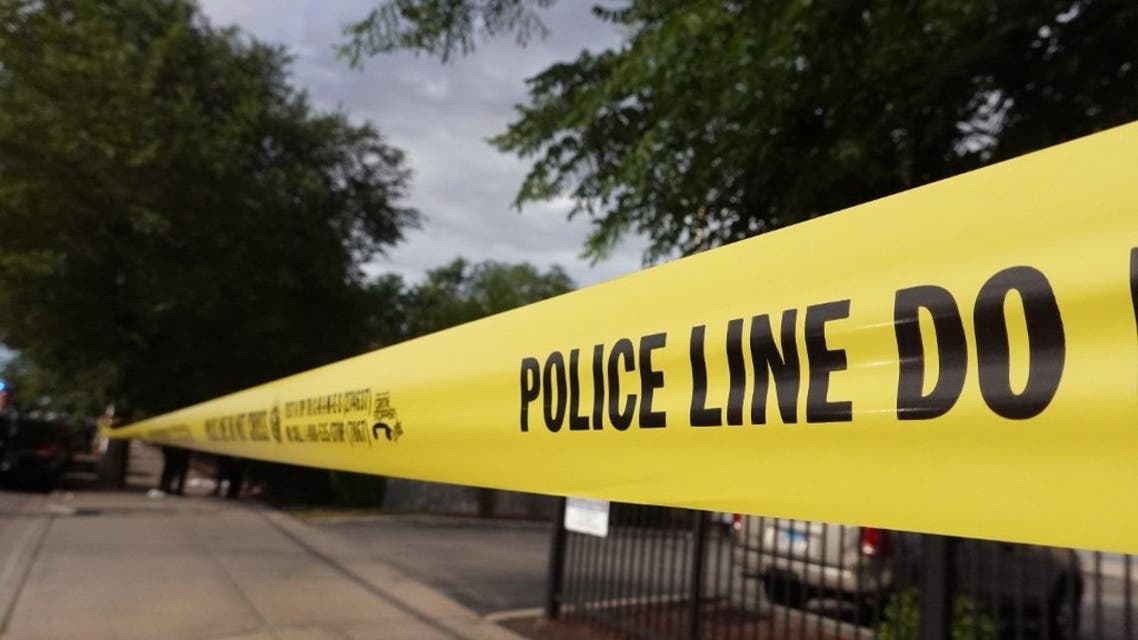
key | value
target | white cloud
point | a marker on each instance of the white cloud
(441, 115)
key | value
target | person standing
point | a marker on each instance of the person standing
(175, 466)
(114, 455)
(230, 476)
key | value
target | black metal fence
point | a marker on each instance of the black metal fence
(663, 574)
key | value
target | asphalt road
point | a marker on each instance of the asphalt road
(492, 566)
(488, 566)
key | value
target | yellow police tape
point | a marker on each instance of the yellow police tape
(961, 358)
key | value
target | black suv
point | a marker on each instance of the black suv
(34, 448)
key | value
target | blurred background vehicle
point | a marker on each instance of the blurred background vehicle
(859, 570)
(35, 448)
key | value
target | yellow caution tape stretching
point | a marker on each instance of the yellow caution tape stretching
(961, 358)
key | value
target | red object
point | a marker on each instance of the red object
(874, 542)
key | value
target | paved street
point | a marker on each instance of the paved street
(487, 565)
(492, 566)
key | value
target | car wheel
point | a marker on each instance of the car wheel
(1063, 610)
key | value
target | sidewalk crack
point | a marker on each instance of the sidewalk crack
(27, 572)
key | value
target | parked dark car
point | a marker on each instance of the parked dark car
(34, 449)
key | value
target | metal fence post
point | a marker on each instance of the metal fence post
(698, 571)
(555, 577)
(113, 464)
(936, 587)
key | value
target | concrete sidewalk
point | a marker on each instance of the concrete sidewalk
(122, 565)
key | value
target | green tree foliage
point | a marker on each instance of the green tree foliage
(462, 292)
(387, 311)
(441, 27)
(901, 619)
(34, 387)
(715, 121)
(176, 220)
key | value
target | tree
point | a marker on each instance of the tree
(386, 315)
(715, 121)
(177, 220)
(462, 292)
(441, 27)
(35, 388)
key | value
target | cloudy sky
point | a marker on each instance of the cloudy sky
(441, 116)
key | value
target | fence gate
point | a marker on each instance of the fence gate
(676, 574)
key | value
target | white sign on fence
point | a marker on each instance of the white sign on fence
(587, 516)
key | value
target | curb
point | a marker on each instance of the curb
(426, 604)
